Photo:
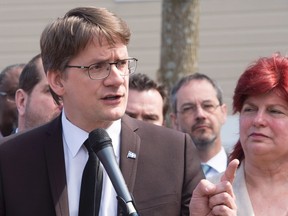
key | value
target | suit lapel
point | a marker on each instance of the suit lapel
(129, 150)
(56, 166)
(130, 147)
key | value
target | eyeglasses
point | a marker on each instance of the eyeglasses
(191, 109)
(8, 96)
(102, 70)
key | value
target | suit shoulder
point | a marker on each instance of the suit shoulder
(32, 137)
(143, 128)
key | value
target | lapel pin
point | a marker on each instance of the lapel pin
(131, 155)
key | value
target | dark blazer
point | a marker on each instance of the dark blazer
(161, 177)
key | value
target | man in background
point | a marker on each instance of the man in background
(9, 78)
(147, 100)
(198, 109)
(34, 101)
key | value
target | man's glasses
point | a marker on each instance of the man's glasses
(8, 96)
(102, 70)
(191, 109)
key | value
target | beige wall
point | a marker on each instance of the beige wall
(22, 21)
(232, 32)
(235, 33)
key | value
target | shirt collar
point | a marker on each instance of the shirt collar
(114, 133)
(75, 136)
(219, 161)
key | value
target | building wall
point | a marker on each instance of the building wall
(233, 33)
(22, 21)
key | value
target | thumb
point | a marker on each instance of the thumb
(230, 172)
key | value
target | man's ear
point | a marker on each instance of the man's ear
(55, 81)
(21, 98)
(224, 111)
(173, 120)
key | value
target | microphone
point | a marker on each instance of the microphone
(102, 145)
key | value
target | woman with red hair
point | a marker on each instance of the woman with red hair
(261, 99)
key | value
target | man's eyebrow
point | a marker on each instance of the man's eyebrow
(151, 116)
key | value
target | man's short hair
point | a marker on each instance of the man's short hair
(141, 82)
(187, 79)
(30, 75)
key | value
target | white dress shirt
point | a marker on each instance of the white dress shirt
(76, 156)
(218, 163)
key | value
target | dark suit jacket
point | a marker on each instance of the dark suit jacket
(161, 178)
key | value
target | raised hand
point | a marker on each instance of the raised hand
(215, 199)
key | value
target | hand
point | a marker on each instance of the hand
(209, 199)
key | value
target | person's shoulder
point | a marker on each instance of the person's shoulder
(34, 136)
(144, 128)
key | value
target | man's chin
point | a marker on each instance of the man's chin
(117, 114)
(204, 142)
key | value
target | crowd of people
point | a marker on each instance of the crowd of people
(85, 79)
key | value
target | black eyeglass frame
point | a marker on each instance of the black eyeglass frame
(110, 63)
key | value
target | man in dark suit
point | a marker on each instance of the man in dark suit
(87, 64)
(161, 177)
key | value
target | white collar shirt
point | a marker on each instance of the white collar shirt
(76, 156)
(218, 163)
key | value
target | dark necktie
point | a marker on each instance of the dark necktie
(91, 185)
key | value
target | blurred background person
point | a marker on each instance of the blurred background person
(34, 101)
(147, 100)
(261, 99)
(198, 109)
(9, 78)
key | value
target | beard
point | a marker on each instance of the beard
(203, 143)
(35, 117)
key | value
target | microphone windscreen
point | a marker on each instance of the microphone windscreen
(99, 139)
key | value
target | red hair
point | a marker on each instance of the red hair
(262, 76)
